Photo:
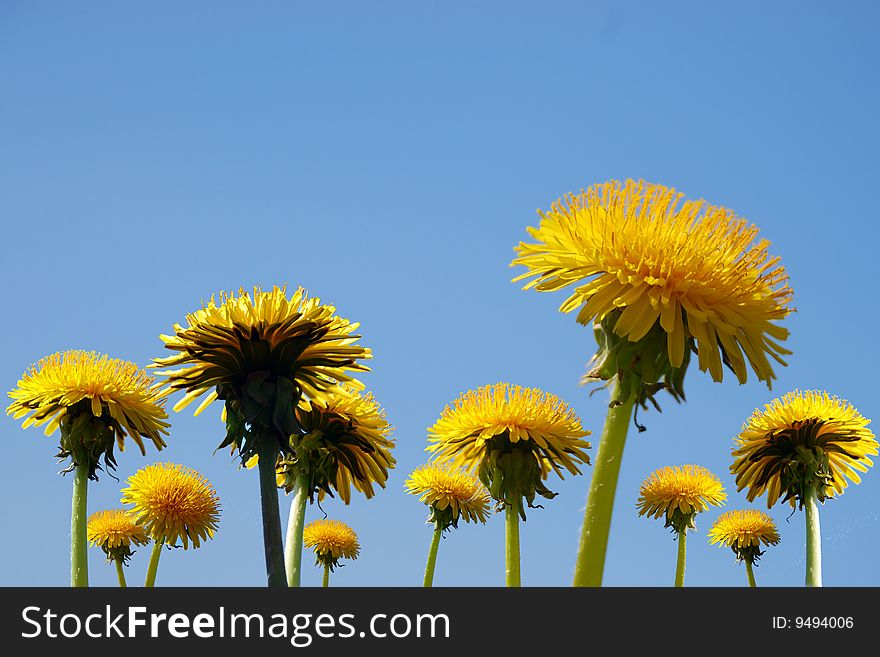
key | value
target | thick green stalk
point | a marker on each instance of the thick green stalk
(814, 538)
(120, 574)
(79, 557)
(432, 557)
(273, 543)
(682, 557)
(511, 516)
(326, 581)
(154, 564)
(293, 544)
(750, 573)
(590, 563)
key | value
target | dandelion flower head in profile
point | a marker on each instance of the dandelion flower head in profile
(95, 400)
(346, 444)
(512, 437)
(803, 440)
(260, 353)
(745, 532)
(331, 540)
(115, 532)
(450, 493)
(173, 503)
(679, 493)
(672, 276)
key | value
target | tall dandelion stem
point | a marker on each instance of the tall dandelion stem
(325, 582)
(79, 558)
(590, 562)
(120, 574)
(293, 547)
(682, 557)
(511, 517)
(750, 573)
(153, 566)
(273, 543)
(814, 538)
(432, 557)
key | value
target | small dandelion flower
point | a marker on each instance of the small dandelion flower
(450, 493)
(332, 541)
(173, 503)
(678, 493)
(116, 532)
(745, 532)
(803, 439)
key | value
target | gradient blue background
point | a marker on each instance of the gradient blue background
(388, 157)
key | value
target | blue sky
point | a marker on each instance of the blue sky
(388, 157)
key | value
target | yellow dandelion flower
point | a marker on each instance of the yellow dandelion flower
(346, 445)
(260, 352)
(679, 493)
(745, 532)
(513, 437)
(801, 440)
(450, 493)
(651, 268)
(115, 531)
(173, 503)
(331, 540)
(96, 401)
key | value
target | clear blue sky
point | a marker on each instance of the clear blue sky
(388, 157)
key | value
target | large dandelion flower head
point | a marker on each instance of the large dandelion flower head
(512, 437)
(260, 353)
(95, 400)
(346, 444)
(803, 440)
(331, 540)
(679, 493)
(173, 503)
(450, 493)
(115, 531)
(745, 532)
(661, 278)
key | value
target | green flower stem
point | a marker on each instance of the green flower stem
(273, 544)
(326, 581)
(154, 564)
(79, 557)
(120, 574)
(293, 545)
(590, 562)
(511, 516)
(750, 573)
(432, 557)
(814, 538)
(682, 557)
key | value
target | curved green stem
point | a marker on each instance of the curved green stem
(154, 564)
(750, 573)
(120, 574)
(326, 581)
(293, 544)
(79, 558)
(273, 544)
(814, 538)
(511, 517)
(590, 562)
(682, 557)
(432, 557)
